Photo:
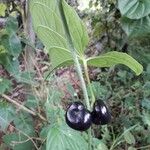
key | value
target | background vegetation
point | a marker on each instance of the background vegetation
(34, 97)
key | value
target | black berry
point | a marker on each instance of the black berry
(78, 117)
(100, 114)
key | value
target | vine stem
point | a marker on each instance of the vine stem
(77, 64)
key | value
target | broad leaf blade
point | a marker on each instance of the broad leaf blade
(60, 57)
(134, 9)
(135, 28)
(76, 27)
(48, 25)
(63, 138)
(113, 58)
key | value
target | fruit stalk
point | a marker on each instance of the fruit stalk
(89, 82)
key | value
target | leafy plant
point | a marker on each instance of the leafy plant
(63, 34)
(56, 40)
(135, 14)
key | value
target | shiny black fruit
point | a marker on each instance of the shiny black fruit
(100, 114)
(78, 117)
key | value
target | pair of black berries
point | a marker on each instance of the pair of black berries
(79, 118)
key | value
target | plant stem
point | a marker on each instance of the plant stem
(77, 64)
(75, 57)
(20, 106)
(88, 81)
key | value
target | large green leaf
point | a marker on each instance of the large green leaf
(134, 9)
(76, 28)
(112, 58)
(6, 115)
(64, 138)
(135, 28)
(48, 25)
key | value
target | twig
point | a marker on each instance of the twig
(23, 107)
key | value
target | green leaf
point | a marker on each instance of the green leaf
(4, 85)
(64, 138)
(57, 60)
(11, 65)
(146, 103)
(99, 144)
(100, 91)
(12, 44)
(17, 141)
(113, 58)
(131, 148)
(26, 78)
(24, 122)
(76, 28)
(11, 24)
(134, 9)
(32, 102)
(129, 137)
(15, 45)
(48, 25)
(146, 118)
(2, 9)
(6, 115)
(136, 28)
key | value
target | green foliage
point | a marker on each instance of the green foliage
(76, 28)
(6, 115)
(112, 58)
(2, 9)
(62, 138)
(135, 14)
(129, 137)
(134, 9)
(127, 95)
(136, 28)
(56, 39)
(23, 123)
(52, 33)
(11, 47)
(131, 148)
(99, 145)
(17, 141)
(11, 25)
(4, 85)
